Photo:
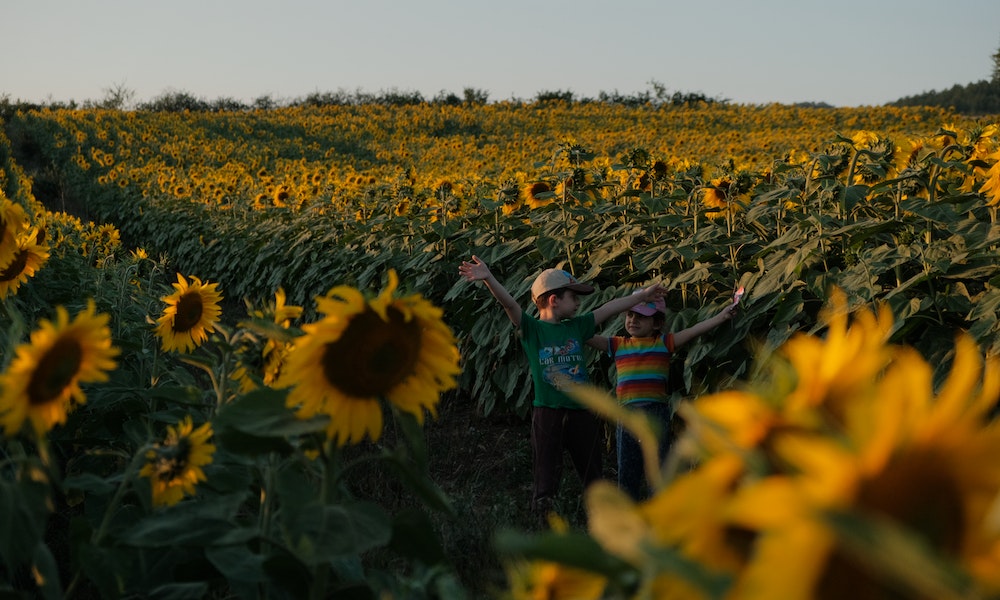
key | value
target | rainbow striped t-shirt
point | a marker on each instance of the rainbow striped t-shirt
(643, 366)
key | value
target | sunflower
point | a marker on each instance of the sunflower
(43, 381)
(29, 256)
(542, 579)
(396, 348)
(509, 194)
(276, 352)
(538, 194)
(991, 187)
(281, 195)
(909, 155)
(13, 221)
(839, 368)
(716, 197)
(924, 465)
(191, 314)
(901, 454)
(271, 358)
(174, 466)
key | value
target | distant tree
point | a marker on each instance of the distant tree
(447, 98)
(227, 104)
(996, 66)
(979, 98)
(176, 102)
(338, 98)
(632, 101)
(475, 96)
(265, 102)
(396, 97)
(555, 96)
(117, 97)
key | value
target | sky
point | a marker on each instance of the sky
(844, 53)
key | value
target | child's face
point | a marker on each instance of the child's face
(566, 304)
(640, 325)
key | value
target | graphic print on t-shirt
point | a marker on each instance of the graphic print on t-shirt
(562, 364)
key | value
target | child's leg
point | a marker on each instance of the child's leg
(583, 441)
(547, 447)
(630, 464)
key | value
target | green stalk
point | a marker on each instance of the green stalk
(110, 511)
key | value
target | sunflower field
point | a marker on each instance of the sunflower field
(229, 341)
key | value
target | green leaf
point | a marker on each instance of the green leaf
(262, 414)
(551, 248)
(322, 533)
(48, 572)
(23, 516)
(172, 528)
(179, 591)
(573, 549)
(238, 563)
(89, 482)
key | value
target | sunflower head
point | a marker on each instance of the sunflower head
(191, 313)
(29, 256)
(363, 351)
(42, 384)
(174, 466)
(538, 194)
(13, 221)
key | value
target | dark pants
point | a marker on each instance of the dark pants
(631, 469)
(552, 431)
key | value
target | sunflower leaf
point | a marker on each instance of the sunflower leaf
(573, 549)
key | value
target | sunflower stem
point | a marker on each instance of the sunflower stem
(110, 511)
(331, 456)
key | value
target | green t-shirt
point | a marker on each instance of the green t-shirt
(555, 356)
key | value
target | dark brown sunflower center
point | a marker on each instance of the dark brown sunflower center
(172, 459)
(539, 188)
(919, 491)
(14, 270)
(189, 312)
(372, 356)
(55, 371)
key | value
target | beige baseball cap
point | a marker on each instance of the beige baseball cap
(556, 279)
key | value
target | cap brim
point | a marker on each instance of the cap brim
(581, 288)
(644, 310)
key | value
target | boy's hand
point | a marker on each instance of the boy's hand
(476, 270)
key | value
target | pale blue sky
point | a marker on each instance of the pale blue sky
(846, 53)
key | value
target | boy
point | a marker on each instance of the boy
(553, 343)
(642, 362)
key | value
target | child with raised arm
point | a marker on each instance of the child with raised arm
(553, 344)
(642, 362)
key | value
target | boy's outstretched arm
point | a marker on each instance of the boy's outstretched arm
(686, 335)
(477, 270)
(619, 305)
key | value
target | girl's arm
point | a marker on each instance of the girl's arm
(684, 336)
